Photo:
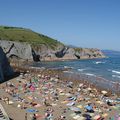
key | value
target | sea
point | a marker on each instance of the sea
(105, 70)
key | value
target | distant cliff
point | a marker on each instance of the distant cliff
(20, 43)
(5, 69)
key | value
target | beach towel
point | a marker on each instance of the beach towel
(70, 104)
(38, 105)
(97, 117)
(31, 110)
(32, 88)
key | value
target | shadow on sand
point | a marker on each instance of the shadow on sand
(16, 74)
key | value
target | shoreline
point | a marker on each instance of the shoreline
(21, 61)
(98, 82)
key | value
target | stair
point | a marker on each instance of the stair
(3, 114)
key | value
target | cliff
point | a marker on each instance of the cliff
(25, 51)
(5, 69)
(25, 44)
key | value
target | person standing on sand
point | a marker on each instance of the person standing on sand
(34, 117)
(7, 100)
(25, 116)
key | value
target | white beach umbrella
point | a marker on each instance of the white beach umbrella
(89, 89)
(80, 85)
(104, 92)
(39, 75)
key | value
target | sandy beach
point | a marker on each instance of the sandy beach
(47, 96)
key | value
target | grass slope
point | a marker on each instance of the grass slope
(26, 35)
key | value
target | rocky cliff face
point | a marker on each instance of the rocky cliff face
(16, 49)
(5, 69)
(42, 52)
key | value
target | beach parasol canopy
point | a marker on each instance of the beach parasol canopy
(104, 92)
(89, 89)
(80, 85)
(88, 107)
(39, 75)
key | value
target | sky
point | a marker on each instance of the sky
(82, 23)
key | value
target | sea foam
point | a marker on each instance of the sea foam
(117, 72)
(99, 62)
(81, 70)
(89, 74)
(116, 76)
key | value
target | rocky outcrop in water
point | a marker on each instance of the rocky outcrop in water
(5, 69)
(42, 52)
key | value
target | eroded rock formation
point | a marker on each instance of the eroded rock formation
(42, 52)
(5, 68)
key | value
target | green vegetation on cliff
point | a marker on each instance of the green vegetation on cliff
(26, 35)
(78, 49)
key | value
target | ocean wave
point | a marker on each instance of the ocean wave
(99, 62)
(68, 67)
(89, 74)
(37, 67)
(116, 76)
(67, 71)
(117, 72)
(81, 70)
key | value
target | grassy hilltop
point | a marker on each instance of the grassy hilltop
(26, 35)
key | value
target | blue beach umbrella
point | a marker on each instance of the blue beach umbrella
(89, 107)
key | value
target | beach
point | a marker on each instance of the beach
(48, 96)
(60, 60)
